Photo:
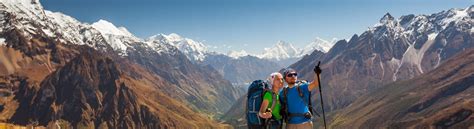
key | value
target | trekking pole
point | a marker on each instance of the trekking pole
(321, 96)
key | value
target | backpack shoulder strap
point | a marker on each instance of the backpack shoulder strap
(274, 101)
(285, 104)
(299, 91)
(310, 106)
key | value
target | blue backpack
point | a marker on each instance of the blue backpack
(255, 94)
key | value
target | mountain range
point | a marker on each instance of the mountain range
(59, 71)
(240, 67)
(392, 50)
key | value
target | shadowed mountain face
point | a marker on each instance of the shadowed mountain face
(203, 87)
(441, 98)
(85, 86)
(91, 92)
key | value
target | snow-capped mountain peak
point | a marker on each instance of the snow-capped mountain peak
(106, 27)
(456, 15)
(28, 8)
(237, 54)
(173, 37)
(119, 38)
(285, 45)
(194, 50)
(61, 19)
(281, 50)
(387, 18)
(318, 44)
(69, 27)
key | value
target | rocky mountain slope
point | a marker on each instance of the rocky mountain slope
(441, 98)
(92, 92)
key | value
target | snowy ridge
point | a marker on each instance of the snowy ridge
(195, 51)
(106, 27)
(27, 8)
(68, 25)
(118, 38)
(410, 27)
(281, 50)
(30, 17)
(455, 15)
(101, 35)
(237, 54)
(318, 44)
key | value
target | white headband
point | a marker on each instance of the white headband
(272, 77)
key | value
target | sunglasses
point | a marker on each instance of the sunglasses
(292, 75)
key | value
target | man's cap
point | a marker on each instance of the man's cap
(287, 71)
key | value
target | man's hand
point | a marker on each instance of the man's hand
(317, 69)
(315, 82)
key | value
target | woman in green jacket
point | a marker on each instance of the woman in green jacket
(270, 108)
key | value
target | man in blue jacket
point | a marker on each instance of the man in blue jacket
(296, 100)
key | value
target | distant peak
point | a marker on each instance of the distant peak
(107, 27)
(237, 54)
(174, 37)
(281, 42)
(103, 22)
(386, 18)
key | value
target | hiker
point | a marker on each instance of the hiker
(270, 108)
(296, 101)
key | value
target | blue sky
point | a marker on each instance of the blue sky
(258, 23)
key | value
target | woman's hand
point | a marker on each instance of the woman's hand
(265, 115)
